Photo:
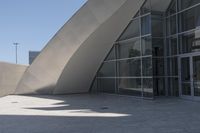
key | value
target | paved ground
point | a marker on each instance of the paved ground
(97, 114)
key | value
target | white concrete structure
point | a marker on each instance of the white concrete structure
(10, 75)
(70, 60)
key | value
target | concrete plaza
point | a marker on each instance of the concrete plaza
(97, 114)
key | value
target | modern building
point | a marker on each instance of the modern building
(32, 56)
(142, 48)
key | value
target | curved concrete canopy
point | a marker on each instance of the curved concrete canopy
(81, 69)
(42, 76)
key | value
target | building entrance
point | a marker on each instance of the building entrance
(189, 72)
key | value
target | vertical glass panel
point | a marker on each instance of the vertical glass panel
(159, 86)
(146, 7)
(172, 66)
(147, 66)
(158, 67)
(158, 47)
(133, 30)
(111, 55)
(148, 88)
(186, 89)
(172, 8)
(187, 3)
(172, 47)
(173, 87)
(130, 86)
(146, 46)
(129, 49)
(190, 42)
(107, 69)
(189, 19)
(196, 75)
(157, 25)
(185, 70)
(130, 68)
(171, 25)
(146, 25)
(106, 85)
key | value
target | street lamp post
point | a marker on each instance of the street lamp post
(16, 54)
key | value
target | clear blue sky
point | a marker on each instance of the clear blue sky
(32, 23)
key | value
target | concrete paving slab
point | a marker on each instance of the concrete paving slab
(97, 114)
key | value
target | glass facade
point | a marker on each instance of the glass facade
(150, 57)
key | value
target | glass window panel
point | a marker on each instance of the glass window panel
(187, 3)
(157, 26)
(107, 69)
(158, 67)
(146, 8)
(172, 47)
(129, 49)
(111, 55)
(146, 46)
(94, 87)
(189, 19)
(133, 30)
(172, 66)
(106, 85)
(148, 88)
(130, 86)
(130, 68)
(159, 86)
(186, 90)
(171, 25)
(147, 66)
(196, 75)
(185, 71)
(190, 42)
(173, 87)
(146, 25)
(158, 47)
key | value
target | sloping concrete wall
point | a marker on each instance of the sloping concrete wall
(10, 75)
(70, 60)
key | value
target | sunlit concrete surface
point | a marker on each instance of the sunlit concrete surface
(97, 114)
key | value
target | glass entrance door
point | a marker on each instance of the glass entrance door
(190, 76)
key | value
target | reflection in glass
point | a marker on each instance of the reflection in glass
(187, 3)
(130, 86)
(190, 19)
(107, 69)
(129, 49)
(130, 68)
(147, 66)
(146, 27)
(148, 87)
(159, 86)
(133, 30)
(190, 42)
(146, 46)
(171, 25)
